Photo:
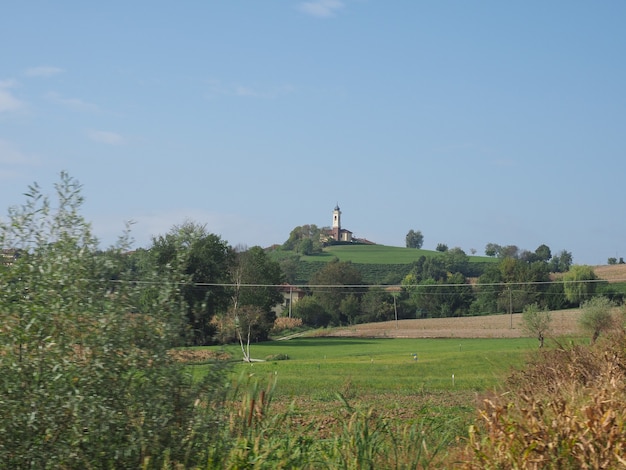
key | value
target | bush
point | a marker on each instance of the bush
(285, 324)
(86, 380)
(567, 409)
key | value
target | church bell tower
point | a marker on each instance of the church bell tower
(336, 222)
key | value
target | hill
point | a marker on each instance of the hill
(378, 264)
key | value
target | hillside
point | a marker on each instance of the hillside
(378, 264)
(379, 254)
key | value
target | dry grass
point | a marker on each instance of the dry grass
(611, 273)
(564, 323)
(565, 410)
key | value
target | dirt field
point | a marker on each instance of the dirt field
(492, 326)
(612, 273)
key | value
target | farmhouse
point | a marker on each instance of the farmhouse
(291, 296)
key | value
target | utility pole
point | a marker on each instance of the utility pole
(511, 306)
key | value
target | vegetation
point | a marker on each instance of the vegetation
(596, 317)
(536, 322)
(566, 409)
(414, 239)
(85, 376)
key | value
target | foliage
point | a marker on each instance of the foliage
(376, 305)
(282, 324)
(86, 380)
(596, 317)
(311, 312)
(289, 267)
(561, 262)
(564, 410)
(198, 262)
(536, 322)
(330, 291)
(414, 239)
(441, 247)
(579, 283)
(304, 239)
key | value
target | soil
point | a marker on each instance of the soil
(564, 323)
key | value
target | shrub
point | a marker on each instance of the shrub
(86, 380)
(567, 409)
(596, 317)
(286, 323)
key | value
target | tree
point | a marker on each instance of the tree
(86, 378)
(536, 322)
(612, 261)
(442, 247)
(456, 261)
(289, 267)
(377, 305)
(301, 233)
(414, 239)
(596, 317)
(579, 283)
(311, 312)
(509, 251)
(561, 262)
(256, 278)
(543, 253)
(199, 262)
(492, 249)
(329, 290)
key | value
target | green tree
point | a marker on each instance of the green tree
(86, 380)
(256, 278)
(377, 305)
(579, 283)
(456, 261)
(561, 262)
(536, 322)
(442, 247)
(329, 288)
(350, 308)
(596, 317)
(199, 262)
(492, 249)
(414, 239)
(299, 235)
(543, 253)
(289, 267)
(309, 310)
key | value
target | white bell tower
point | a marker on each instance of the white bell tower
(337, 218)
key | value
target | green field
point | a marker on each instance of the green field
(379, 254)
(319, 367)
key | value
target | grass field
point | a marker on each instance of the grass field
(438, 382)
(321, 367)
(433, 377)
(379, 254)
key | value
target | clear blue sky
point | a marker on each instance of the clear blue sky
(471, 121)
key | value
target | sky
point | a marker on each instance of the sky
(473, 122)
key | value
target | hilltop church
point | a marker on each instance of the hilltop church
(336, 234)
